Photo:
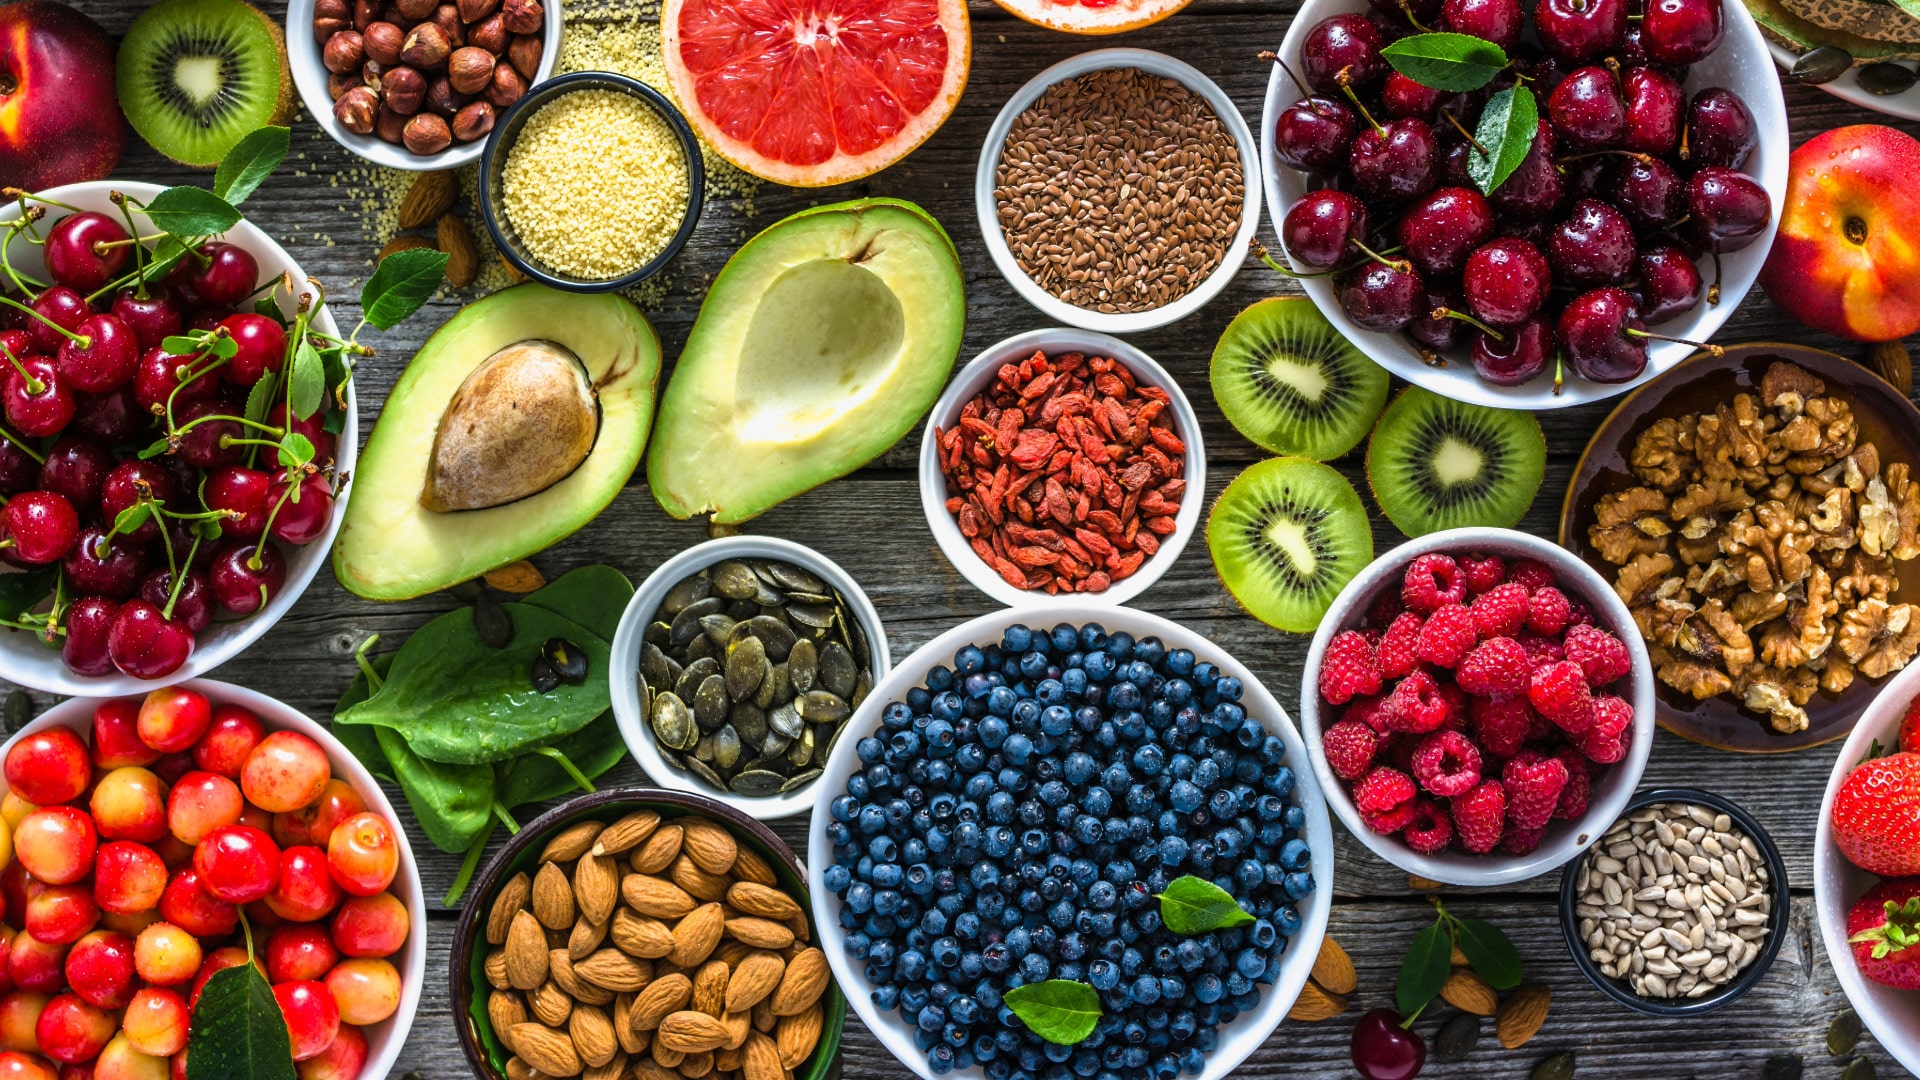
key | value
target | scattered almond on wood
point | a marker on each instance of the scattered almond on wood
(1332, 979)
(1890, 361)
(463, 254)
(1420, 884)
(1468, 992)
(1521, 1015)
(431, 195)
(518, 578)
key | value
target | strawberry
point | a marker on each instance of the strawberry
(1910, 728)
(1876, 815)
(1884, 929)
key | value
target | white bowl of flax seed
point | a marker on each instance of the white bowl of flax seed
(1146, 232)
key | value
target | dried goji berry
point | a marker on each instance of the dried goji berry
(1033, 447)
(1162, 525)
(1146, 542)
(1168, 441)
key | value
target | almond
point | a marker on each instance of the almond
(710, 989)
(526, 952)
(518, 578)
(567, 976)
(1890, 361)
(729, 1060)
(547, 1050)
(572, 842)
(665, 1056)
(586, 937)
(592, 1035)
(1521, 1015)
(760, 1059)
(731, 953)
(1468, 992)
(1458, 959)
(648, 1069)
(739, 1025)
(496, 969)
(664, 995)
(431, 195)
(622, 835)
(614, 970)
(695, 936)
(402, 242)
(517, 1069)
(797, 1035)
(549, 1004)
(1333, 969)
(754, 978)
(763, 1018)
(760, 933)
(653, 896)
(757, 899)
(749, 866)
(596, 886)
(659, 850)
(691, 1032)
(802, 983)
(504, 1010)
(553, 898)
(1420, 884)
(615, 1067)
(640, 935)
(463, 256)
(1316, 1004)
(630, 1040)
(510, 901)
(698, 883)
(695, 1066)
(709, 845)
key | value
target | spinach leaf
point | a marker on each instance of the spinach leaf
(237, 1030)
(359, 739)
(593, 596)
(453, 803)
(535, 777)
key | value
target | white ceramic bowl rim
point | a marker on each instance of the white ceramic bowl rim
(1564, 840)
(978, 373)
(1742, 63)
(388, 1038)
(624, 679)
(1157, 63)
(1237, 1040)
(33, 665)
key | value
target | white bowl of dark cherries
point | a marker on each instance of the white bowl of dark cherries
(1528, 190)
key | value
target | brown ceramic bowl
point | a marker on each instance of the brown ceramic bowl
(522, 852)
(1698, 384)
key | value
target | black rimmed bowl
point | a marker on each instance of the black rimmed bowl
(493, 167)
(522, 852)
(1622, 992)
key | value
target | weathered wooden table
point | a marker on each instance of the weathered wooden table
(872, 525)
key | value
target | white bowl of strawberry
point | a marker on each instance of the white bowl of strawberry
(1866, 863)
(1478, 706)
(150, 844)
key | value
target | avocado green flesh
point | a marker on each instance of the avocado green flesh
(822, 342)
(391, 547)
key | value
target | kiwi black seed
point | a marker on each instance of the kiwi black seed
(1292, 383)
(1286, 536)
(1436, 463)
(195, 76)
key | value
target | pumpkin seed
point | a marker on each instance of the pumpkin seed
(750, 722)
(658, 634)
(819, 615)
(726, 747)
(545, 680)
(703, 750)
(862, 686)
(19, 710)
(686, 591)
(718, 627)
(1859, 1069)
(795, 579)
(746, 668)
(775, 635)
(673, 723)
(742, 610)
(822, 707)
(1783, 1067)
(786, 720)
(691, 676)
(1843, 1033)
(1821, 65)
(803, 664)
(467, 591)
(774, 746)
(1557, 1067)
(799, 780)
(758, 783)
(773, 688)
(655, 668)
(710, 703)
(837, 672)
(686, 625)
(801, 751)
(704, 648)
(1457, 1038)
(735, 580)
(569, 664)
(705, 772)
(1885, 78)
(492, 623)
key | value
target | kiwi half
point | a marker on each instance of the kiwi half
(195, 76)
(1436, 463)
(1290, 382)
(1286, 536)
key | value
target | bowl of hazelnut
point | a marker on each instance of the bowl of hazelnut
(418, 84)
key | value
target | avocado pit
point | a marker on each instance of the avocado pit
(521, 422)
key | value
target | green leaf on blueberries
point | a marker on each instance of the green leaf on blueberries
(1450, 62)
(238, 1030)
(1507, 128)
(1061, 1011)
(295, 450)
(1489, 951)
(192, 211)
(1425, 970)
(1194, 905)
(249, 163)
(306, 380)
(402, 282)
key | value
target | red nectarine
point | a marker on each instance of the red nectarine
(60, 122)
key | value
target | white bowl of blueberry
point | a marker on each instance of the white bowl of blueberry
(1070, 835)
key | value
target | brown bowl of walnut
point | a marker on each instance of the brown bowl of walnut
(1758, 513)
(647, 934)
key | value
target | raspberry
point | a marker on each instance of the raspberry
(1482, 572)
(1503, 726)
(1541, 651)
(1497, 669)
(1605, 739)
(1416, 706)
(1348, 667)
(1349, 746)
(1458, 707)
(1382, 789)
(1547, 611)
(1480, 815)
(1579, 614)
(1559, 692)
(1601, 655)
(1430, 831)
(1370, 710)
(1396, 646)
(1522, 841)
(1532, 573)
(1534, 783)
(1501, 611)
(1433, 581)
(1573, 801)
(1388, 822)
(1385, 608)
(1446, 637)
(1446, 763)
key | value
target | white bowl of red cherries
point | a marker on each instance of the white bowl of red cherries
(1575, 184)
(161, 512)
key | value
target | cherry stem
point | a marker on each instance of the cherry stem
(294, 483)
(1465, 134)
(1398, 266)
(1347, 89)
(1559, 371)
(1644, 159)
(20, 444)
(179, 577)
(1711, 348)
(1713, 290)
(191, 424)
(1449, 313)
(34, 386)
(81, 340)
(1273, 57)
(1259, 251)
(1406, 9)
(24, 282)
(24, 195)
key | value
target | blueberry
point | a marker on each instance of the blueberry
(1016, 638)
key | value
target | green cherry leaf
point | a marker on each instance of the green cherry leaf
(153, 450)
(238, 1030)
(295, 450)
(192, 211)
(1449, 62)
(132, 517)
(182, 344)
(249, 163)
(1060, 1011)
(1425, 969)
(306, 381)
(1507, 128)
(1489, 952)
(400, 285)
(1194, 905)
(261, 398)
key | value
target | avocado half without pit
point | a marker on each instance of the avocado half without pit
(516, 424)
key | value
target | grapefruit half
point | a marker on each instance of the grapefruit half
(816, 92)
(1093, 16)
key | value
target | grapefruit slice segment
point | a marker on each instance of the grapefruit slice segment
(816, 92)
(1093, 16)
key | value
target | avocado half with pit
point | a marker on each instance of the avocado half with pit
(517, 422)
(821, 343)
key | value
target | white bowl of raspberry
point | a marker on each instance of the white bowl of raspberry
(1477, 706)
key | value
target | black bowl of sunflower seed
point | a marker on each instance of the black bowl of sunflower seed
(736, 666)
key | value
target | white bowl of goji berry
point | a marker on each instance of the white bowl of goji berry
(1090, 501)
(1414, 818)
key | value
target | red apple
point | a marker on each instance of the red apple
(60, 122)
(1845, 260)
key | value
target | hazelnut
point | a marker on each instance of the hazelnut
(332, 9)
(389, 125)
(470, 70)
(417, 10)
(524, 16)
(426, 47)
(370, 75)
(327, 27)
(507, 86)
(365, 14)
(383, 42)
(427, 134)
(524, 54)
(472, 11)
(355, 110)
(343, 52)
(448, 18)
(443, 99)
(392, 13)
(404, 89)
(338, 84)
(473, 122)
(489, 33)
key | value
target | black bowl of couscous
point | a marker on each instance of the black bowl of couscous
(591, 182)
